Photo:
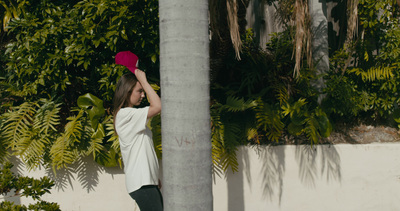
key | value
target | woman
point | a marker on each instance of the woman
(137, 149)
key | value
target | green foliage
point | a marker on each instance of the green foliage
(11, 9)
(269, 121)
(261, 102)
(67, 50)
(28, 129)
(230, 125)
(374, 73)
(367, 90)
(24, 186)
(64, 50)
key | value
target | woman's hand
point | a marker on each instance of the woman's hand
(152, 96)
(159, 184)
(141, 76)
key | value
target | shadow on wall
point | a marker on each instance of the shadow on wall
(17, 169)
(307, 159)
(84, 170)
(235, 182)
(272, 171)
(318, 162)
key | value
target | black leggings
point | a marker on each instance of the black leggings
(148, 198)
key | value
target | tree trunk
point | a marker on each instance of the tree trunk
(320, 45)
(185, 116)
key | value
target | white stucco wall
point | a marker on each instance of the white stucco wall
(338, 177)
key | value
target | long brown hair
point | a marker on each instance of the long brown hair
(123, 92)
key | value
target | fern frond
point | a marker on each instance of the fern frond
(231, 142)
(252, 134)
(374, 73)
(217, 134)
(282, 94)
(96, 141)
(288, 109)
(111, 133)
(235, 104)
(229, 160)
(95, 147)
(18, 121)
(115, 151)
(74, 128)
(61, 153)
(216, 154)
(31, 149)
(231, 135)
(269, 121)
(225, 141)
(3, 151)
(311, 129)
(155, 125)
(228, 131)
(47, 117)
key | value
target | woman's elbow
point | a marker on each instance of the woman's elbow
(154, 110)
(158, 108)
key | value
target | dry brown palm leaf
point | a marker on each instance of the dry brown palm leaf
(352, 29)
(303, 35)
(233, 24)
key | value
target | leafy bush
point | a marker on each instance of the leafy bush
(60, 64)
(368, 90)
(60, 52)
(24, 186)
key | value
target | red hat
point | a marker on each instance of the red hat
(128, 59)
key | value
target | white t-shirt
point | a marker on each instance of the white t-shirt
(137, 148)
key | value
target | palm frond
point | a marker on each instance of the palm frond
(232, 8)
(302, 40)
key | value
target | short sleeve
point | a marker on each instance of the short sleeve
(130, 122)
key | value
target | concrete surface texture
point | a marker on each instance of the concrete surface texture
(327, 177)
